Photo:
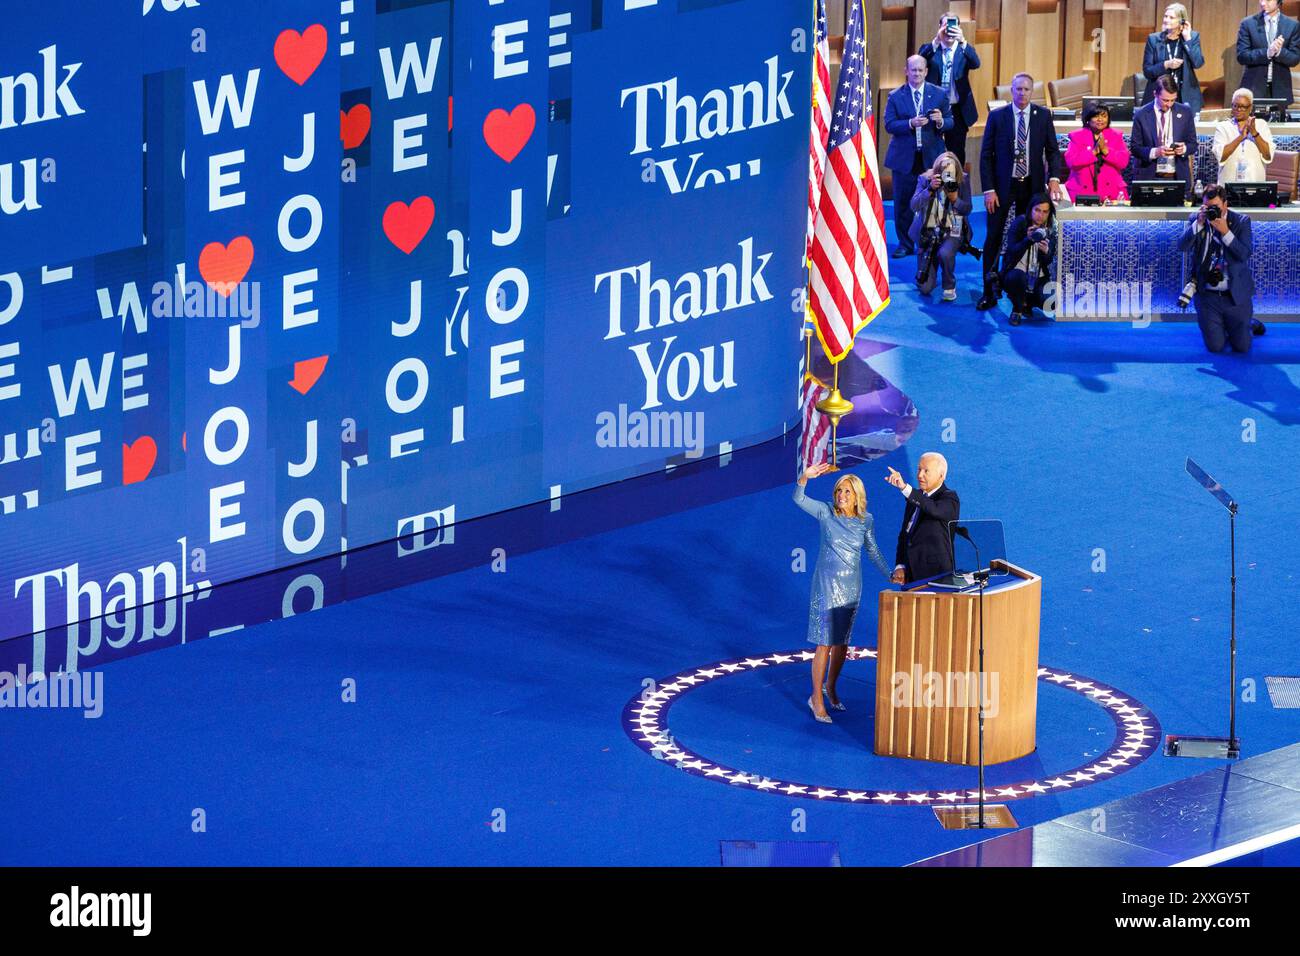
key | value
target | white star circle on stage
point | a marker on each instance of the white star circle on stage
(645, 718)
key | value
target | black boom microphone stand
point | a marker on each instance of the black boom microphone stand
(1182, 745)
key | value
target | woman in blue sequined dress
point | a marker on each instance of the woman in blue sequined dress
(837, 580)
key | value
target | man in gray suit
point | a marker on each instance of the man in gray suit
(915, 116)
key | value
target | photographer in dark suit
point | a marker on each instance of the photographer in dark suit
(951, 60)
(916, 114)
(1018, 159)
(1175, 52)
(1222, 288)
(924, 543)
(1163, 141)
(1031, 250)
(1268, 45)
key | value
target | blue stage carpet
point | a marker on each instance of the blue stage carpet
(489, 697)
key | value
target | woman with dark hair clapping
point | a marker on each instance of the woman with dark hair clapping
(1097, 157)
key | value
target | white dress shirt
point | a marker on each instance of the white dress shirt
(1246, 164)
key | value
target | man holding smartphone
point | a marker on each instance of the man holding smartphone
(951, 60)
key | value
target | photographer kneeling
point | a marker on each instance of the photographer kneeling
(941, 227)
(1026, 264)
(1222, 286)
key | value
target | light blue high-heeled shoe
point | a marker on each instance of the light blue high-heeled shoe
(820, 719)
(834, 705)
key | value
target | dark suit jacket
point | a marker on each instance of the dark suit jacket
(998, 151)
(1018, 242)
(899, 110)
(1145, 138)
(927, 551)
(1252, 53)
(1153, 67)
(964, 59)
(1241, 284)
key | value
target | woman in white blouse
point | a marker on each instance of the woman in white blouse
(1243, 145)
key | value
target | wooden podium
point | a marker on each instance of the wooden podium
(927, 667)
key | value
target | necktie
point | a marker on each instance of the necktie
(916, 101)
(1272, 29)
(1022, 143)
(947, 68)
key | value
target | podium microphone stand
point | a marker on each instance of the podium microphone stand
(1224, 748)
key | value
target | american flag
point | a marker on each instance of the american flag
(815, 440)
(821, 120)
(848, 278)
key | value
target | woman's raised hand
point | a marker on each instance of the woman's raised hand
(816, 471)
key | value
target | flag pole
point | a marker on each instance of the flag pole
(807, 353)
(835, 406)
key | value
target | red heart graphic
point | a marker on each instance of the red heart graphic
(354, 125)
(508, 133)
(298, 54)
(138, 459)
(224, 267)
(406, 225)
(307, 372)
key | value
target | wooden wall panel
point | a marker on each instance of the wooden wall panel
(1012, 45)
(926, 22)
(1115, 60)
(1147, 13)
(1217, 22)
(1076, 42)
(982, 80)
(1042, 58)
(988, 13)
(889, 54)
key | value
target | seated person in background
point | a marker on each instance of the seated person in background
(1175, 50)
(1031, 249)
(1243, 145)
(942, 206)
(1219, 240)
(1096, 157)
(1164, 137)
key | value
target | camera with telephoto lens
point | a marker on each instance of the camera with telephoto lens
(930, 240)
(1039, 234)
(1212, 213)
(949, 182)
(1185, 297)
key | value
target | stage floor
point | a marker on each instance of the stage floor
(488, 725)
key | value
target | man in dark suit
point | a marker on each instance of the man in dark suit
(1268, 45)
(1163, 141)
(950, 60)
(916, 114)
(924, 543)
(1175, 50)
(1018, 158)
(1225, 289)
